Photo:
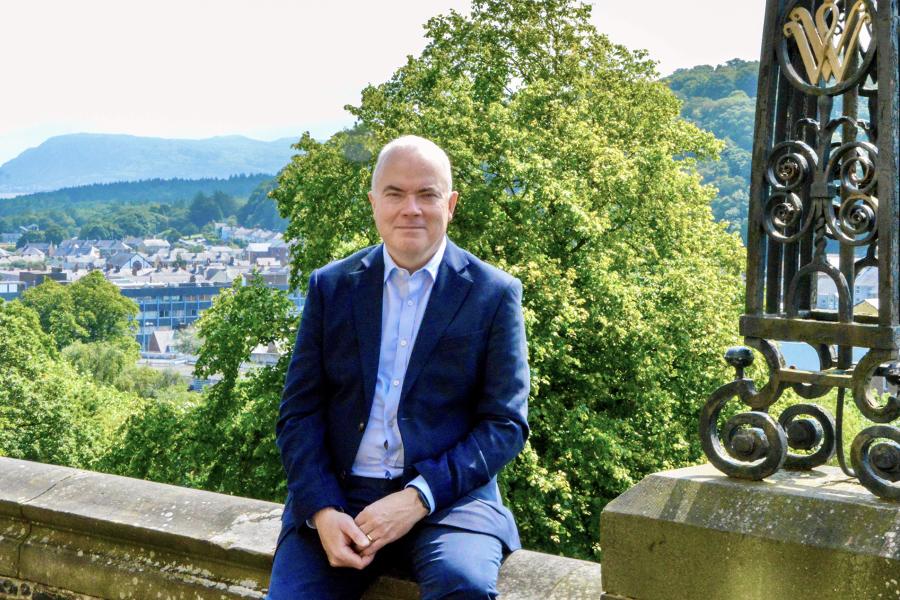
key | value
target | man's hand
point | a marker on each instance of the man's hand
(389, 519)
(339, 534)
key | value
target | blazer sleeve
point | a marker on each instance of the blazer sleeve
(501, 412)
(300, 431)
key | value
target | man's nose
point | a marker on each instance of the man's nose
(411, 205)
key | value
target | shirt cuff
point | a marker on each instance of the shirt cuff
(309, 521)
(420, 484)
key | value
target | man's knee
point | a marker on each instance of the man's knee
(456, 565)
(300, 571)
(455, 582)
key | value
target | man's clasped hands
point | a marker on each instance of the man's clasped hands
(353, 543)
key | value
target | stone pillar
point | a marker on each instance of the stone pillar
(694, 533)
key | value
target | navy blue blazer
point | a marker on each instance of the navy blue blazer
(463, 407)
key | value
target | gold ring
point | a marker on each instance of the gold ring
(370, 538)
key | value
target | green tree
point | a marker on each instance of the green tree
(204, 209)
(226, 442)
(56, 311)
(260, 210)
(54, 234)
(48, 412)
(30, 237)
(134, 221)
(104, 362)
(100, 230)
(227, 204)
(101, 310)
(577, 175)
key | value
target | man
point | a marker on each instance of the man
(406, 394)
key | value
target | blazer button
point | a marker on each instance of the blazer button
(362, 426)
(343, 475)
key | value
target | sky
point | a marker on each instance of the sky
(269, 69)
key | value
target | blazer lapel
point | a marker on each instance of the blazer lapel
(368, 289)
(450, 289)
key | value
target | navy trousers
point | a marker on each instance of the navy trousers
(447, 563)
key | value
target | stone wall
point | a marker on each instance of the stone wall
(71, 534)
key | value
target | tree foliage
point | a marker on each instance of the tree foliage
(169, 208)
(48, 411)
(224, 441)
(260, 210)
(90, 310)
(577, 175)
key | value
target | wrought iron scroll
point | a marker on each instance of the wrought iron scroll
(824, 179)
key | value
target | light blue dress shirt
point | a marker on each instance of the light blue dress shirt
(405, 297)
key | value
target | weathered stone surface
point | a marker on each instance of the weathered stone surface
(532, 575)
(15, 589)
(694, 533)
(67, 534)
(115, 537)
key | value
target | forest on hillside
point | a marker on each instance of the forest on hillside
(169, 209)
(722, 100)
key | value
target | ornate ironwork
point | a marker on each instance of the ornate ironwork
(825, 176)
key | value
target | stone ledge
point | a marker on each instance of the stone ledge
(695, 533)
(66, 533)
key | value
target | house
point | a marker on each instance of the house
(109, 247)
(47, 248)
(130, 261)
(161, 341)
(31, 254)
(153, 245)
(257, 250)
(867, 308)
(266, 261)
(33, 278)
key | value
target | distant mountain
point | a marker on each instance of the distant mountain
(88, 158)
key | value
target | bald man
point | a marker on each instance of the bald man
(405, 396)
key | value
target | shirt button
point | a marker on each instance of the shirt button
(396, 382)
(403, 343)
(362, 426)
(409, 302)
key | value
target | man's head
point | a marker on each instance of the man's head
(412, 199)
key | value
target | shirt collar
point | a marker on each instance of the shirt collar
(431, 266)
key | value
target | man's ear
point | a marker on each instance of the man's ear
(451, 204)
(371, 201)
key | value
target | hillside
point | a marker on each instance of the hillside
(87, 158)
(162, 191)
(722, 100)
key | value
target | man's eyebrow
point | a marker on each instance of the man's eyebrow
(427, 188)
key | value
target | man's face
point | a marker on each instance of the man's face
(412, 206)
